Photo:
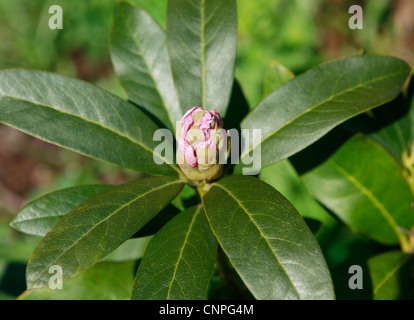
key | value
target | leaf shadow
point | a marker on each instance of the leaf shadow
(13, 281)
(320, 151)
(150, 115)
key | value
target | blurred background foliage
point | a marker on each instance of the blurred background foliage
(298, 34)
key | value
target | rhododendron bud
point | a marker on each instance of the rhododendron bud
(203, 145)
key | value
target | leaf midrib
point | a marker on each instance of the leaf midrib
(262, 235)
(105, 219)
(203, 49)
(166, 109)
(182, 250)
(142, 145)
(273, 132)
(387, 215)
(390, 274)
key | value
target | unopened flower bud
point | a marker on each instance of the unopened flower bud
(203, 145)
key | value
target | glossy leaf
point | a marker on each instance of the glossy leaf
(98, 226)
(140, 57)
(307, 107)
(276, 75)
(363, 185)
(202, 46)
(105, 281)
(266, 240)
(179, 261)
(81, 117)
(392, 275)
(40, 215)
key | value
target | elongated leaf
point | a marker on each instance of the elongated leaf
(140, 57)
(363, 185)
(202, 45)
(266, 240)
(81, 117)
(392, 276)
(307, 107)
(40, 215)
(105, 281)
(179, 261)
(98, 226)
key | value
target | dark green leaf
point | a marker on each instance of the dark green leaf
(140, 57)
(307, 107)
(363, 185)
(392, 275)
(179, 261)
(98, 226)
(266, 240)
(202, 46)
(105, 281)
(40, 215)
(81, 117)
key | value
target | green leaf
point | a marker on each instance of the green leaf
(105, 281)
(307, 107)
(40, 215)
(266, 240)
(140, 57)
(202, 45)
(81, 117)
(363, 185)
(179, 261)
(392, 276)
(276, 75)
(98, 226)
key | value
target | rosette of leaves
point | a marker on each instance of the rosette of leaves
(165, 72)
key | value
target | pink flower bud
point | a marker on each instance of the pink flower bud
(201, 137)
